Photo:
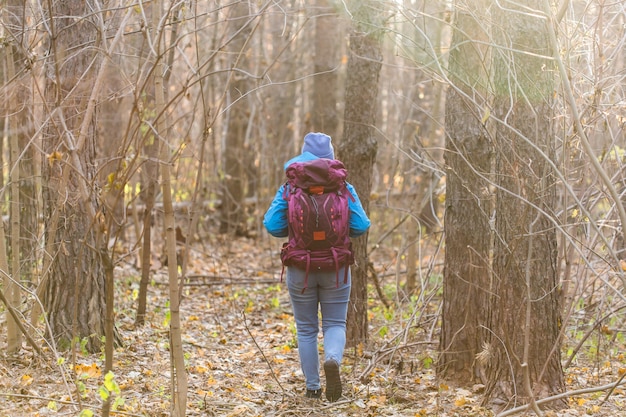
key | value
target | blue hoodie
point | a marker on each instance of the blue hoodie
(275, 219)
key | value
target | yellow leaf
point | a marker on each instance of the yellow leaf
(377, 401)
(622, 264)
(88, 371)
(54, 156)
(110, 384)
(460, 402)
(581, 401)
(486, 116)
(26, 380)
(201, 369)
(104, 393)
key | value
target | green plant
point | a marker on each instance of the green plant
(109, 388)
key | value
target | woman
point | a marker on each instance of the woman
(320, 290)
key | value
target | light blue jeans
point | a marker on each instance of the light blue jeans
(322, 291)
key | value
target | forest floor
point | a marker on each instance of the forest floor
(242, 359)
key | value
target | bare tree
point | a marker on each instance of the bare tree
(74, 288)
(19, 116)
(232, 212)
(149, 143)
(326, 62)
(279, 136)
(466, 285)
(523, 354)
(359, 145)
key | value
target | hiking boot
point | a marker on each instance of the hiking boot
(313, 393)
(333, 380)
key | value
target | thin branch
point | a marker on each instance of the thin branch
(589, 333)
(269, 365)
(374, 276)
(19, 323)
(580, 130)
(567, 394)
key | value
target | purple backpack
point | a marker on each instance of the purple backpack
(318, 217)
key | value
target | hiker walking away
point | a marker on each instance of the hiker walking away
(319, 211)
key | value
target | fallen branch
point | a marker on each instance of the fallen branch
(207, 280)
(617, 384)
(269, 365)
(384, 351)
(19, 323)
(567, 394)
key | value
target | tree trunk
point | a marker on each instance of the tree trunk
(326, 61)
(524, 350)
(74, 293)
(468, 204)
(13, 296)
(232, 211)
(358, 148)
(277, 131)
(24, 202)
(150, 148)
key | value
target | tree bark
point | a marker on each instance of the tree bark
(74, 291)
(466, 284)
(326, 63)
(524, 350)
(232, 211)
(150, 148)
(277, 132)
(358, 148)
(24, 201)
